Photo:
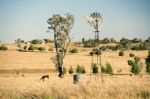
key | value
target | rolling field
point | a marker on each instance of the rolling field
(20, 74)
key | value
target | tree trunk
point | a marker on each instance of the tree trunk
(59, 65)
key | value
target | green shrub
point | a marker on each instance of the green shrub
(71, 70)
(108, 69)
(121, 53)
(135, 67)
(137, 59)
(3, 47)
(103, 69)
(36, 41)
(41, 49)
(98, 52)
(74, 50)
(95, 52)
(25, 47)
(64, 70)
(80, 69)
(94, 68)
(83, 70)
(148, 58)
(50, 49)
(89, 43)
(148, 68)
(142, 46)
(91, 53)
(31, 48)
(47, 40)
(130, 62)
(108, 48)
(131, 55)
(148, 63)
(105, 41)
(119, 47)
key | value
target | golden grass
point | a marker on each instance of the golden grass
(25, 85)
(114, 87)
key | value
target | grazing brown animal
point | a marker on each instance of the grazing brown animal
(44, 77)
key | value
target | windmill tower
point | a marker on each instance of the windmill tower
(96, 20)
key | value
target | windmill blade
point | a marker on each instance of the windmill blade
(92, 19)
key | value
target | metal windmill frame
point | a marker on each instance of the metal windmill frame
(95, 20)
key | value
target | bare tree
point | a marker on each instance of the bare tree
(61, 27)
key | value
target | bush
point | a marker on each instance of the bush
(50, 49)
(47, 40)
(74, 50)
(80, 69)
(91, 53)
(103, 69)
(83, 70)
(130, 62)
(95, 52)
(105, 41)
(25, 47)
(98, 52)
(36, 41)
(121, 53)
(94, 68)
(89, 43)
(119, 47)
(148, 63)
(135, 68)
(64, 70)
(148, 58)
(131, 55)
(3, 47)
(108, 69)
(31, 48)
(71, 70)
(137, 59)
(148, 68)
(108, 48)
(136, 40)
(41, 49)
(141, 46)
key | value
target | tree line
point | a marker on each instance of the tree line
(122, 44)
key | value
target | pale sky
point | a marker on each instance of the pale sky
(27, 19)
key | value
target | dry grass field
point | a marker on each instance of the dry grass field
(20, 74)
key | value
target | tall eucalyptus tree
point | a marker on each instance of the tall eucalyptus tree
(61, 27)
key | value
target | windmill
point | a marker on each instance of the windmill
(95, 20)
